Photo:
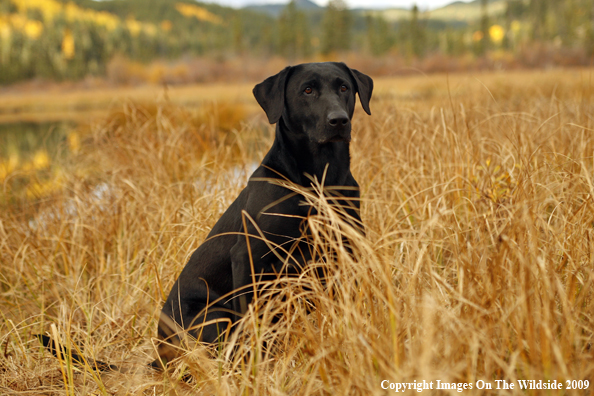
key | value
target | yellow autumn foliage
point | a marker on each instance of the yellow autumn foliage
(43, 188)
(133, 26)
(202, 14)
(50, 9)
(8, 166)
(5, 31)
(41, 159)
(33, 29)
(516, 26)
(17, 21)
(68, 45)
(105, 19)
(496, 33)
(74, 142)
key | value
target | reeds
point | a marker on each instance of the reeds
(477, 264)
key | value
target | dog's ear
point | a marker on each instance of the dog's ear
(270, 94)
(364, 87)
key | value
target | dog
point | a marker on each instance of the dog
(312, 106)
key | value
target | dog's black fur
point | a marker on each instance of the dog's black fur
(312, 106)
(77, 359)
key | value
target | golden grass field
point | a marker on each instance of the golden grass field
(478, 264)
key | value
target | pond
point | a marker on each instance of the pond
(21, 141)
(29, 153)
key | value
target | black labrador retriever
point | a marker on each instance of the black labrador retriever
(312, 106)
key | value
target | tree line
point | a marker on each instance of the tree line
(62, 39)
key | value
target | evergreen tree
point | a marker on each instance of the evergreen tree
(294, 37)
(539, 10)
(336, 25)
(378, 35)
(416, 33)
(237, 35)
(485, 40)
(589, 36)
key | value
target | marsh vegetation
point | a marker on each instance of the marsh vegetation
(478, 264)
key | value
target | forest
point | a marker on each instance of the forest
(159, 41)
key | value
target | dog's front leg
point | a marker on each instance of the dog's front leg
(242, 274)
(265, 241)
(248, 266)
(260, 261)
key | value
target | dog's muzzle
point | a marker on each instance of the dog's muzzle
(338, 128)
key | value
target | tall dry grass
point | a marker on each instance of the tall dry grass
(478, 264)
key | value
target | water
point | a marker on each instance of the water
(22, 142)
(30, 164)
(30, 154)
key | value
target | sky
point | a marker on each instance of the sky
(423, 4)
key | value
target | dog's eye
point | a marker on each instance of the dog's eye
(308, 90)
(343, 88)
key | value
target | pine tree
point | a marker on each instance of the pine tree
(294, 37)
(416, 33)
(539, 10)
(378, 35)
(485, 41)
(589, 36)
(336, 25)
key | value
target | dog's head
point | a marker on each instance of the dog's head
(315, 99)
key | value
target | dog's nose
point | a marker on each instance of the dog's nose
(338, 119)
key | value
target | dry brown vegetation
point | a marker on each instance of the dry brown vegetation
(82, 104)
(477, 197)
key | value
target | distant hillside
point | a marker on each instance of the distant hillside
(276, 9)
(455, 12)
(460, 11)
(157, 11)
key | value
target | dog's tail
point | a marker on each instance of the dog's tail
(61, 352)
